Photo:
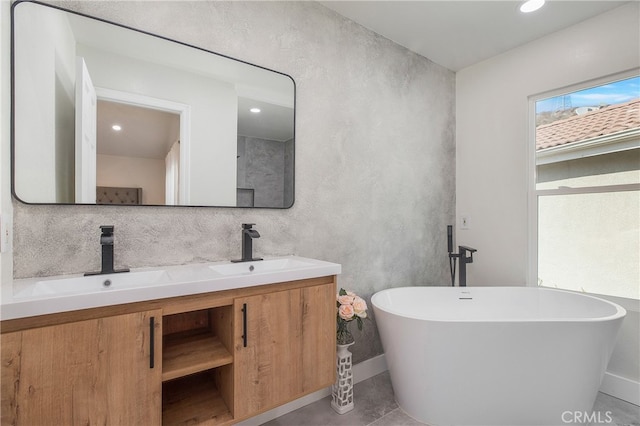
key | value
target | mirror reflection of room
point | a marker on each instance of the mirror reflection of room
(138, 155)
(265, 154)
(186, 135)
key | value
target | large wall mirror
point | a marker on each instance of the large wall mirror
(104, 114)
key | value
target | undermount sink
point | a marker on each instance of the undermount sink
(256, 267)
(93, 283)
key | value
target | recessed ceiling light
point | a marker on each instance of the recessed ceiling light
(255, 110)
(531, 6)
(116, 127)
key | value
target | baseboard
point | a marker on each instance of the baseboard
(621, 388)
(361, 371)
(369, 368)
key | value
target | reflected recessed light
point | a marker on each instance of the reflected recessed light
(116, 127)
(531, 5)
(255, 110)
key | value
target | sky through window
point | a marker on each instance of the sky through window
(608, 94)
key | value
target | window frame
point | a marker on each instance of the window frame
(533, 194)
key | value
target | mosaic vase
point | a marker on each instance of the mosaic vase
(342, 390)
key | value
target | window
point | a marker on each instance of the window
(586, 189)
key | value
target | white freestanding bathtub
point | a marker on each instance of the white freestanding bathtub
(495, 355)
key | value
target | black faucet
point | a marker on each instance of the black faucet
(461, 256)
(106, 241)
(248, 235)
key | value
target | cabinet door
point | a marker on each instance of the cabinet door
(84, 373)
(290, 347)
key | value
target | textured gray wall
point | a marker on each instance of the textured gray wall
(375, 156)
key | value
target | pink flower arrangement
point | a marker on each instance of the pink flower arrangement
(350, 307)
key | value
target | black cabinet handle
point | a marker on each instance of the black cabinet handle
(244, 325)
(152, 343)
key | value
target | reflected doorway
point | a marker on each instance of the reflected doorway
(139, 150)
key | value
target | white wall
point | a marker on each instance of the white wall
(48, 47)
(131, 172)
(492, 137)
(492, 133)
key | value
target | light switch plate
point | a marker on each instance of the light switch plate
(5, 233)
(464, 221)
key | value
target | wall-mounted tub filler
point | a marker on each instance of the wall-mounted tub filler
(106, 241)
(248, 234)
(462, 256)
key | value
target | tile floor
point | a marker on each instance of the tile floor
(376, 406)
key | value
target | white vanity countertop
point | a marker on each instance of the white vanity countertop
(41, 296)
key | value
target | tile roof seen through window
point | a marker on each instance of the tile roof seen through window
(606, 121)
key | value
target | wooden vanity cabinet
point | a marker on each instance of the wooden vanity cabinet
(214, 358)
(99, 371)
(285, 347)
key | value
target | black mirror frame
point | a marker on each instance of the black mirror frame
(12, 109)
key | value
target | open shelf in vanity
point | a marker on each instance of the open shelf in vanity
(197, 367)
